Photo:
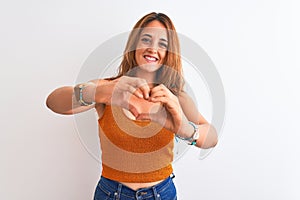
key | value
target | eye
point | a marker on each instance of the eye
(146, 40)
(163, 45)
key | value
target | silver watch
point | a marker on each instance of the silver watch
(193, 139)
(80, 95)
(195, 136)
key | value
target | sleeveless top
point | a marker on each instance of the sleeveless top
(134, 151)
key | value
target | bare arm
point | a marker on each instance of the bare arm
(208, 134)
(176, 114)
(63, 100)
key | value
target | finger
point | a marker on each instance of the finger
(143, 86)
(134, 91)
(159, 93)
(145, 90)
(159, 87)
(138, 93)
(137, 86)
(156, 89)
(161, 99)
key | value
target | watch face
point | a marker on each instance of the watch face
(196, 135)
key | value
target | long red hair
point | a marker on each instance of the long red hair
(170, 74)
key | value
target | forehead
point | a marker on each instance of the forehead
(155, 29)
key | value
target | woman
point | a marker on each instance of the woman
(140, 110)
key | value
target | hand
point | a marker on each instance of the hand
(170, 114)
(124, 88)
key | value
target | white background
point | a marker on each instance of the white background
(254, 45)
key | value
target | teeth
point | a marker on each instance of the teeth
(150, 58)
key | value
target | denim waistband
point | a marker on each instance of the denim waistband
(118, 188)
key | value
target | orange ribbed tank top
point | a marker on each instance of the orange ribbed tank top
(134, 151)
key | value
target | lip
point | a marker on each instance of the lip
(150, 58)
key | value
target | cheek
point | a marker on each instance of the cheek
(138, 56)
(163, 55)
(140, 47)
(138, 53)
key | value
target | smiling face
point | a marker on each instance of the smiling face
(158, 64)
(152, 47)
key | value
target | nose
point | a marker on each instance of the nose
(152, 50)
(153, 46)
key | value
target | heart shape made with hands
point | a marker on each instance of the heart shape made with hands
(143, 109)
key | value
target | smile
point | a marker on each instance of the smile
(150, 58)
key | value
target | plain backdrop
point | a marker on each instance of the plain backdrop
(254, 45)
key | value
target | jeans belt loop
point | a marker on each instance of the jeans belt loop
(118, 193)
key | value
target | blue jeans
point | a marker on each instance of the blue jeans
(112, 190)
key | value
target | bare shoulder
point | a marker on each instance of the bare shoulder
(98, 81)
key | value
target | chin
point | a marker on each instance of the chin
(150, 67)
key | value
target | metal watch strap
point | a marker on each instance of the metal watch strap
(81, 101)
(193, 139)
(195, 136)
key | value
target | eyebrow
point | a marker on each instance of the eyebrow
(148, 35)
